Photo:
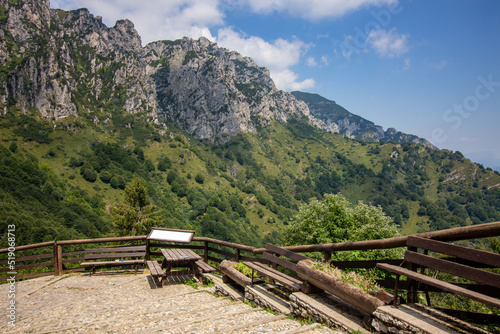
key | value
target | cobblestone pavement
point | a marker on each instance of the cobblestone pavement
(127, 303)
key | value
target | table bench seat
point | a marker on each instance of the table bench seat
(155, 269)
(205, 266)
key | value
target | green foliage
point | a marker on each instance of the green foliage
(135, 216)
(333, 220)
(32, 130)
(42, 206)
(199, 178)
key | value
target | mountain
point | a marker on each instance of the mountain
(337, 119)
(86, 108)
(70, 64)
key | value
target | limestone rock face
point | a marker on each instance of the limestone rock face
(214, 93)
(68, 63)
(336, 119)
(58, 62)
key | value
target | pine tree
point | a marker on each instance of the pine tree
(135, 216)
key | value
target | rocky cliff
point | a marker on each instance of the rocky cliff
(62, 64)
(336, 119)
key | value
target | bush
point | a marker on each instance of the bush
(199, 178)
(333, 220)
(89, 174)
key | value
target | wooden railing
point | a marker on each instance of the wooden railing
(59, 257)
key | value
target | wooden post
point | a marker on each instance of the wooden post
(327, 258)
(237, 256)
(58, 265)
(205, 252)
(148, 251)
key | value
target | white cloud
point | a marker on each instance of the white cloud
(311, 62)
(313, 9)
(388, 43)
(156, 19)
(287, 80)
(277, 56)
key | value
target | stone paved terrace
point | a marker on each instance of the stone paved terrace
(127, 303)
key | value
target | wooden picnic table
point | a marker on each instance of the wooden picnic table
(180, 258)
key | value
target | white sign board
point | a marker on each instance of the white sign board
(171, 235)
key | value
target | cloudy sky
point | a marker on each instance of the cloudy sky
(426, 67)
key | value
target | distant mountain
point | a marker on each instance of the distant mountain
(337, 119)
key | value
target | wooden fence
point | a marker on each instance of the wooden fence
(60, 257)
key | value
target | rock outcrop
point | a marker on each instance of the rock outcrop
(68, 63)
(336, 119)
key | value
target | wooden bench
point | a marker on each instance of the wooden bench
(95, 254)
(464, 262)
(160, 276)
(156, 272)
(205, 267)
(290, 282)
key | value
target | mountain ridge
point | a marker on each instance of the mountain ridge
(337, 119)
(62, 62)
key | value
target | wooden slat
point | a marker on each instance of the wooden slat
(76, 252)
(442, 285)
(73, 260)
(29, 266)
(223, 252)
(279, 261)
(29, 258)
(367, 264)
(478, 275)
(101, 240)
(467, 253)
(26, 247)
(289, 281)
(113, 255)
(252, 259)
(285, 252)
(112, 263)
(205, 266)
(155, 269)
(117, 249)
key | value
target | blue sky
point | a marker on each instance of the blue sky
(430, 68)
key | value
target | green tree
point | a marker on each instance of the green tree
(135, 216)
(199, 178)
(333, 220)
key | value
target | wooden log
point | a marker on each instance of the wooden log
(234, 274)
(345, 291)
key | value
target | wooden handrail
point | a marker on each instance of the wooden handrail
(99, 240)
(25, 247)
(225, 243)
(454, 234)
